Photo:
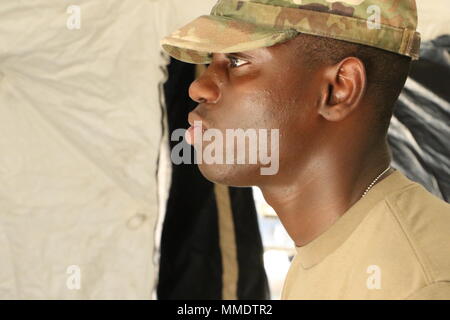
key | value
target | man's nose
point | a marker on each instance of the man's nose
(205, 89)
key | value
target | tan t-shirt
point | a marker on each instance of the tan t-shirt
(392, 244)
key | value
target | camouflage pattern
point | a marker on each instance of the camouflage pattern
(241, 25)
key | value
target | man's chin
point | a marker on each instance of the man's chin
(231, 175)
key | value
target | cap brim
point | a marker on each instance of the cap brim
(196, 41)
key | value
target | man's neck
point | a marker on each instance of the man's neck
(320, 194)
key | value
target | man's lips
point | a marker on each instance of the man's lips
(189, 135)
(193, 117)
(196, 122)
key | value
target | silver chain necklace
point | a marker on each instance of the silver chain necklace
(375, 181)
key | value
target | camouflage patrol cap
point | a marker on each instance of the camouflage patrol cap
(241, 25)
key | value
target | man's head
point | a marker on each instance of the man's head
(326, 96)
(323, 95)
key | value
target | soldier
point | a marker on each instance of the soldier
(326, 73)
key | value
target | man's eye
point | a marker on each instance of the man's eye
(236, 62)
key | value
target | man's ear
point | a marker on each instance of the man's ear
(345, 86)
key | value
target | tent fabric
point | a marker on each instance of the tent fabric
(419, 134)
(80, 132)
(433, 19)
(204, 254)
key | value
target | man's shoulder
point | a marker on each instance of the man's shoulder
(424, 219)
(414, 204)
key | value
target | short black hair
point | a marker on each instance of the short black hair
(386, 71)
